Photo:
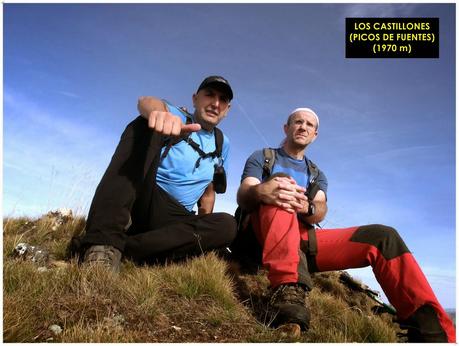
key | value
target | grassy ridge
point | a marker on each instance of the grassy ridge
(204, 299)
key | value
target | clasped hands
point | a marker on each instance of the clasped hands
(284, 192)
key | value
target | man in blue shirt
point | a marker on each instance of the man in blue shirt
(143, 206)
(281, 219)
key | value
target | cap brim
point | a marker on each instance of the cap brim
(225, 88)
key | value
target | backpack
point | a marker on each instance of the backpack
(219, 178)
(269, 155)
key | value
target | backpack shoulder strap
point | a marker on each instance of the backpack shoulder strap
(218, 142)
(313, 171)
(269, 155)
(313, 186)
(170, 141)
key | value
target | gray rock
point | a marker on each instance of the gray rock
(31, 253)
(59, 217)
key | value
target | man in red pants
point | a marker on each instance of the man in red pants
(285, 198)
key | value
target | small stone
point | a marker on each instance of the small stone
(114, 322)
(21, 249)
(176, 328)
(40, 256)
(119, 319)
(42, 269)
(290, 330)
(55, 329)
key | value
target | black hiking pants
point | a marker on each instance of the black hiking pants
(130, 212)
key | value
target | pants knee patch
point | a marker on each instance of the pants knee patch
(385, 239)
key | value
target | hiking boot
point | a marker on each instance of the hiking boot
(423, 326)
(289, 304)
(74, 248)
(105, 255)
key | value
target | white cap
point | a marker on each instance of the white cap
(309, 110)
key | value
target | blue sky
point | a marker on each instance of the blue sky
(73, 73)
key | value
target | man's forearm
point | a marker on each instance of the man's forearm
(207, 201)
(148, 104)
(248, 197)
(205, 207)
(319, 213)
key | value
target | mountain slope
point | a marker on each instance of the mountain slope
(203, 299)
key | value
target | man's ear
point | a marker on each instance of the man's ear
(316, 133)
(285, 128)
(227, 110)
(193, 98)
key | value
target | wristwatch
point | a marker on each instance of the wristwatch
(311, 209)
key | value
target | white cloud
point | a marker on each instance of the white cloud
(403, 152)
(23, 109)
(68, 94)
(439, 274)
(444, 286)
(250, 121)
(49, 161)
(379, 10)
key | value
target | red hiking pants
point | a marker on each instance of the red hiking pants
(395, 268)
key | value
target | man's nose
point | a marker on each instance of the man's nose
(215, 101)
(304, 129)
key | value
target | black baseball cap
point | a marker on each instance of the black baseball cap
(217, 82)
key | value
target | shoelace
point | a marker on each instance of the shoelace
(292, 293)
(105, 256)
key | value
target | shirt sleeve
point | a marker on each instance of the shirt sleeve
(322, 181)
(254, 166)
(176, 111)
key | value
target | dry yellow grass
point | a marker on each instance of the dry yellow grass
(199, 300)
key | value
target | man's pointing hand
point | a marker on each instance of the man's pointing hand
(169, 124)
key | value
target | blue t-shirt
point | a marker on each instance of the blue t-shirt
(177, 174)
(284, 163)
